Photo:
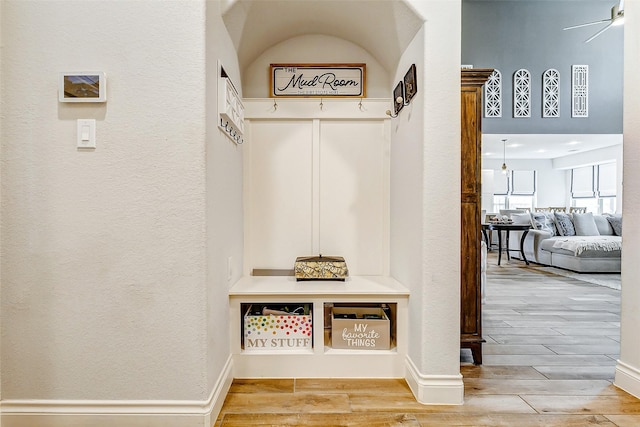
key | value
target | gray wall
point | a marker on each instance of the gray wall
(509, 35)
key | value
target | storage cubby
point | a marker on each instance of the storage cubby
(369, 326)
(280, 327)
(317, 184)
(252, 294)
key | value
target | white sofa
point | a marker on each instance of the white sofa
(585, 252)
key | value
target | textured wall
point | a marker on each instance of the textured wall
(103, 251)
(425, 193)
(629, 346)
(1, 115)
(313, 49)
(224, 210)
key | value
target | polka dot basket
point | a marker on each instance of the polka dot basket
(277, 332)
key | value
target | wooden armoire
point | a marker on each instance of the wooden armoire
(470, 244)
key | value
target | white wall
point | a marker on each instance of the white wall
(408, 198)
(224, 210)
(1, 133)
(425, 170)
(592, 157)
(628, 367)
(103, 251)
(313, 49)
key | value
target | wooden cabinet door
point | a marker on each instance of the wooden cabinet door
(471, 165)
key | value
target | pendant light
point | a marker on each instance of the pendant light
(504, 156)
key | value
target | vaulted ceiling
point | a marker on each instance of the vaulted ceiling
(384, 28)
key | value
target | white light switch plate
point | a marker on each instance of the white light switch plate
(86, 133)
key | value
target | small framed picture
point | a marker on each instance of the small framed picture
(83, 87)
(410, 84)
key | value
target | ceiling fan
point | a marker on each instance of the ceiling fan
(617, 18)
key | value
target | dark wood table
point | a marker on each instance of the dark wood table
(506, 228)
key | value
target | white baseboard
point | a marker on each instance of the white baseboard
(132, 413)
(434, 389)
(219, 392)
(627, 378)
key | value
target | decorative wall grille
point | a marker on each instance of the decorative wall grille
(551, 93)
(493, 95)
(522, 93)
(579, 91)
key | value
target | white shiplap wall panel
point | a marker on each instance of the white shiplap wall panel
(280, 200)
(317, 186)
(353, 195)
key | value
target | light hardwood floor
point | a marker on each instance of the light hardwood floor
(549, 360)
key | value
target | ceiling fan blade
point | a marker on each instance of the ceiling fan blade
(598, 33)
(587, 24)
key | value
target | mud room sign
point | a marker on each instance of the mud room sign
(318, 80)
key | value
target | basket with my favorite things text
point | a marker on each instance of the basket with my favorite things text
(360, 328)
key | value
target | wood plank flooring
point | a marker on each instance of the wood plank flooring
(552, 344)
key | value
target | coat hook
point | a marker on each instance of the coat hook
(396, 108)
(360, 106)
(275, 105)
(321, 104)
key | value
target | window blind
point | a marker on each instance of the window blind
(607, 180)
(501, 184)
(523, 183)
(582, 182)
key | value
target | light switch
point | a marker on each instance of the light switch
(86, 133)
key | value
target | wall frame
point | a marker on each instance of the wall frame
(88, 86)
(410, 84)
(317, 80)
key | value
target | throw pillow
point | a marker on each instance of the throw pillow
(616, 224)
(543, 221)
(564, 224)
(521, 218)
(551, 219)
(604, 228)
(585, 225)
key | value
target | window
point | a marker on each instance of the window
(607, 188)
(595, 187)
(516, 190)
(582, 183)
(607, 180)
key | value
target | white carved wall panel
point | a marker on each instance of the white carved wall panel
(522, 93)
(493, 95)
(551, 93)
(579, 91)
